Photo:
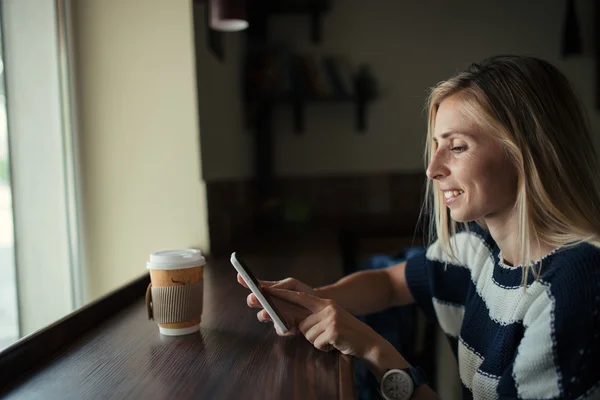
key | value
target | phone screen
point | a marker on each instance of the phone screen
(255, 281)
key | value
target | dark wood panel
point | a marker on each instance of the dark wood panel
(234, 356)
(333, 202)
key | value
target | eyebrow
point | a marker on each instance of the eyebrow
(450, 133)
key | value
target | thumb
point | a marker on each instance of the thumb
(310, 302)
(288, 284)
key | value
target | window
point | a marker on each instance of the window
(40, 267)
(9, 330)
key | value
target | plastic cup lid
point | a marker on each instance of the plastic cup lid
(176, 259)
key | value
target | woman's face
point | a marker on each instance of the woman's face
(475, 176)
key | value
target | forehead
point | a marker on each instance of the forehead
(451, 118)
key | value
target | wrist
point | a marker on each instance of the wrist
(383, 356)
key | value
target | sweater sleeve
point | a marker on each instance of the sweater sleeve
(433, 278)
(418, 280)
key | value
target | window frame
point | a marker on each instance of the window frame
(44, 161)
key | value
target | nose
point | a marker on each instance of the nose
(437, 168)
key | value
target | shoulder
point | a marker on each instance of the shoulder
(471, 244)
(573, 268)
(572, 278)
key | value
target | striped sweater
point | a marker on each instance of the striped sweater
(542, 343)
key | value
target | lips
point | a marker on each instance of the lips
(452, 195)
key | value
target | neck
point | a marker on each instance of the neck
(505, 231)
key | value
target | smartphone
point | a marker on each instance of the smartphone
(254, 286)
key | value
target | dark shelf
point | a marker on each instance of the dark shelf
(299, 103)
(286, 99)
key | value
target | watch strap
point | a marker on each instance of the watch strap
(417, 375)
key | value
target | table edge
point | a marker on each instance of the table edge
(31, 352)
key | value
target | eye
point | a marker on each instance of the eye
(458, 149)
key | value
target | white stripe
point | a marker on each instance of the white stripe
(470, 250)
(535, 373)
(468, 363)
(505, 305)
(482, 386)
(450, 316)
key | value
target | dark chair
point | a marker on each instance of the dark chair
(398, 325)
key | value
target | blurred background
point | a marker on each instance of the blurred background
(131, 126)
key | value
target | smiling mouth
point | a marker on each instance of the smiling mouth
(448, 194)
(451, 195)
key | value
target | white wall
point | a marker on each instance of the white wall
(140, 149)
(411, 45)
(227, 151)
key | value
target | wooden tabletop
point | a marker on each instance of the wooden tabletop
(232, 357)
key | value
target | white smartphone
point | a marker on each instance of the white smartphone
(254, 286)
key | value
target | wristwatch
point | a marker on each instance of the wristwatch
(399, 384)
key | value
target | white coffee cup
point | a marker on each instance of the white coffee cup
(174, 296)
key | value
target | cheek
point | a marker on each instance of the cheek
(498, 183)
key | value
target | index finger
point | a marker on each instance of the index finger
(310, 302)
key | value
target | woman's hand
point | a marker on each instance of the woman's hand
(329, 326)
(287, 283)
(290, 311)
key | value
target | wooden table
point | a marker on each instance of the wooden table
(233, 357)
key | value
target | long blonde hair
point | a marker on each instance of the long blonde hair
(534, 113)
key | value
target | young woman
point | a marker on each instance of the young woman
(516, 286)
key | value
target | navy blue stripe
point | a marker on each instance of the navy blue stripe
(417, 279)
(509, 277)
(497, 343)
(450, 282)
(507, 387)
(577, 321)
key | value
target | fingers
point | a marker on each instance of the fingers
(290, 332)
(312, 327)
(310, 302)
(293, 312)
(287, 283)
(317, 330)
(263, 316)
(241, 281)
(321, 328)
(252, 301)
(323, 341)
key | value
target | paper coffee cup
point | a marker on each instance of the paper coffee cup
(174, 296)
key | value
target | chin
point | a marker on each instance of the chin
(461, 216)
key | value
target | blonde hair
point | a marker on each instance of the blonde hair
(534, 113)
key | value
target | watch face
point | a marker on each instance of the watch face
(397, 385)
